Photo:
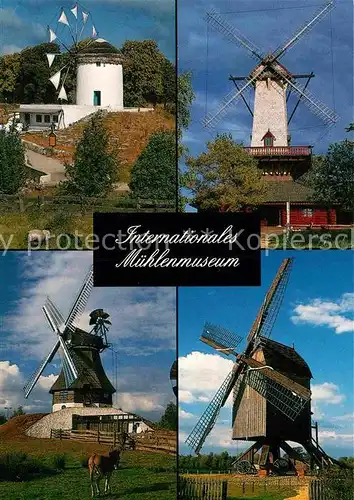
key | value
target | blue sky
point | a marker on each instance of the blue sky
(143, 331)
(316, 315)
(24, 22)
(267, 23)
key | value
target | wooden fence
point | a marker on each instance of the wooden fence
(160, 441)
(316, 490)
(201, 489)
(80, 205)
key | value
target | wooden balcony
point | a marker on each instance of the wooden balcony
(280, 151)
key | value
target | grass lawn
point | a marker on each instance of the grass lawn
(142, 475)
(74, 483)
(14, 229)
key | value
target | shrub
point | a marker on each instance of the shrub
(12, 163)
(17, 466)
(95, 167)
(84, 462)
(154, 174)
(59, 461)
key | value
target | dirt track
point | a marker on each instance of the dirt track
(302, 495)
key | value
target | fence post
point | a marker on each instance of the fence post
(224, 490)
(21, 204)
(98, 435)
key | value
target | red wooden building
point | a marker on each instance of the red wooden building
(289, 200)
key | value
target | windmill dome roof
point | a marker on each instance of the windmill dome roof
(100, 46)
(100, 51)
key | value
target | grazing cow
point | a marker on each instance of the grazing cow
(102, 465)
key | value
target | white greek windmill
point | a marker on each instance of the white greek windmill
(97, 64)
(272, 83)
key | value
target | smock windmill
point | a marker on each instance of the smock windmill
(74, 33)
(272, 83)
(82, 380)
(271, 390)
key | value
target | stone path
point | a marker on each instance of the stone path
(54, 170)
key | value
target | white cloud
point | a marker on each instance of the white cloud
(343, 418)
(185, 415)
(140, 402)
(201, 375)
(329, 436)
(48, 381)
(10, 49)
(337, 315)
(327, 393)
(11, 392)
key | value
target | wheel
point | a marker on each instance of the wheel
(281, 465)
(245, 467)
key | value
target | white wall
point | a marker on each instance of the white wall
(106, 78)
(270, 113)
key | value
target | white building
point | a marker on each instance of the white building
(99, 85)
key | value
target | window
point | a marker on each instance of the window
(98, 64)
(63, 395)
(268, 141)
(27, 118)
(55, 118)
(46, 118)
(38, 118)
(307, 212)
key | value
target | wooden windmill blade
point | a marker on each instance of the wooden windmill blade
(54, 312)
(80, 302)
(230, 99)
(207, 421)
(231, 33)
(36, 374)
(220, 338)
(317, 107)
(306, 28)
(269, 310)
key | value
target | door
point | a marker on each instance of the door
(97, 98)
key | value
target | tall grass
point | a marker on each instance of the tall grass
(17, 466)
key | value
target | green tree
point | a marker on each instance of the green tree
(12, 163)
(169, 419)
(169, 86)
(186, 97)
(144, 71)
(3, 419)
(225, 177)
(9, 73)
(153, 175)
(33, 79)
(95, 167)
(331, 176)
